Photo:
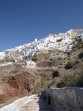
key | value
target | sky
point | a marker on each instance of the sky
(21, 21)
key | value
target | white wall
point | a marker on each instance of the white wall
(31, 64)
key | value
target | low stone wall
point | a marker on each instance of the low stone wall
(65, 99)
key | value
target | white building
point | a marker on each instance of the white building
(31, 64)
(2, 55)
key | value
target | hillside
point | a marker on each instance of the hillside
(55, 61)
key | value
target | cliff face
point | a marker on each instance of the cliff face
(17, 84)
(65, 99)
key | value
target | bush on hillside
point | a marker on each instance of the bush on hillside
(78, 45)
(34, 59)
(81, 55)
(68, 81)
(80, 81)
(69, 65)
(9, 59)
(55, 74)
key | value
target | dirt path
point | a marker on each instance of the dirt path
(37, 104)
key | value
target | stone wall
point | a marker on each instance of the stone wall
(65, 99)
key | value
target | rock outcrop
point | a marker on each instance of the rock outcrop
(17, 84)
(65, 99)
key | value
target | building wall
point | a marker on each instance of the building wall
(31, 64)
(66, 99)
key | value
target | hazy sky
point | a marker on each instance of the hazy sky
(22, 21)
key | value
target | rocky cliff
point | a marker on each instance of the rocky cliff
(16, 84)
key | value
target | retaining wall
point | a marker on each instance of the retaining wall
(65, 99)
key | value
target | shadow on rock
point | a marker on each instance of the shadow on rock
(44, 102)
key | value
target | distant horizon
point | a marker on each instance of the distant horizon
(21, 21)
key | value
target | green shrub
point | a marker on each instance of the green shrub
(69, 65)
(78, 45)
(34, 59)
(68, 81)
(81, 55)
